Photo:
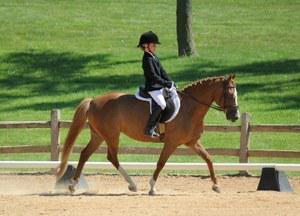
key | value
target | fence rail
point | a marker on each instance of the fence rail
(156, 151)
(291, 128)
(151, 165)
(244, 152)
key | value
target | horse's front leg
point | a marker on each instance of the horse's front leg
(167, 150)
(200, 150)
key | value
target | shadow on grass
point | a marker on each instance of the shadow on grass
(49, 72)
(46, 71)
(286, 94)
(58, 73)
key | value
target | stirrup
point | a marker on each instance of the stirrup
(152, 133)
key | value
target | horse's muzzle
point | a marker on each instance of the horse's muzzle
(233, 115)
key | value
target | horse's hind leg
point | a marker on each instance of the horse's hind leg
(112, 156)
(200, 150)
(92, 146)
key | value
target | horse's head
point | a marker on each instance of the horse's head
(226, 98)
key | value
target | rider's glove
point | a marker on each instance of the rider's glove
(169, 84)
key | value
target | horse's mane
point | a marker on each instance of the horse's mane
(203, 82)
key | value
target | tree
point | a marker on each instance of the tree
(186, 45)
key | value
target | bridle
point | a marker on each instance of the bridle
(216, 107)
(226, 86)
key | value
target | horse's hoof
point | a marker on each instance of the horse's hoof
(216, 188)
(71, 189)
(152, 192)
(72, 185)
(132, 188)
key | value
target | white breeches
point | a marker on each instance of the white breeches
(158, 97)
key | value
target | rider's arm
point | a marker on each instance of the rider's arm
(164, 73)
(150, 72)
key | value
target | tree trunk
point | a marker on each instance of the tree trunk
(186, 45)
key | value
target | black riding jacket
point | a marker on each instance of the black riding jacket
(155, 75)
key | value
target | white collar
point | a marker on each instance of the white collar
(150, 54)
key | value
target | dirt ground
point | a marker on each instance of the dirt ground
(177, 195)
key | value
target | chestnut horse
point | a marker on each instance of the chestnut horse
(113, 113)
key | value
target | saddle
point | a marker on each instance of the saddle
(172, 101)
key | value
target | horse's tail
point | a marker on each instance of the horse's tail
(77, 125)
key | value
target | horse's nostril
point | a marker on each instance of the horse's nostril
(234, 119)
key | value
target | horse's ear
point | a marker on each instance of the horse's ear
(231, 77)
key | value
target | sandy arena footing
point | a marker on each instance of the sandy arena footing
(177, 195)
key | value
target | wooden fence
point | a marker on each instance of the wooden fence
(244, 152)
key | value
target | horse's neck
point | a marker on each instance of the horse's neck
(204, 95)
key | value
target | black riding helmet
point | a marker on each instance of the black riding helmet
(148, 37)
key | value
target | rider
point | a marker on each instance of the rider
(156, 79)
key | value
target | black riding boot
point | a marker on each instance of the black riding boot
(154, 118)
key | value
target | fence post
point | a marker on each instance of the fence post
(244, 140)
(55, 135)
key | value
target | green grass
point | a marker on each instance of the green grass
(55, 53)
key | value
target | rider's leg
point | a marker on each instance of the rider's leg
(153, 119)
(158, 98)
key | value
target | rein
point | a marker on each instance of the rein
(216, 107)
(195, 99)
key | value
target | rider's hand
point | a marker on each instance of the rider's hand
(169, 84)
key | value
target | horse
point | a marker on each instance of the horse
(114, 113)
